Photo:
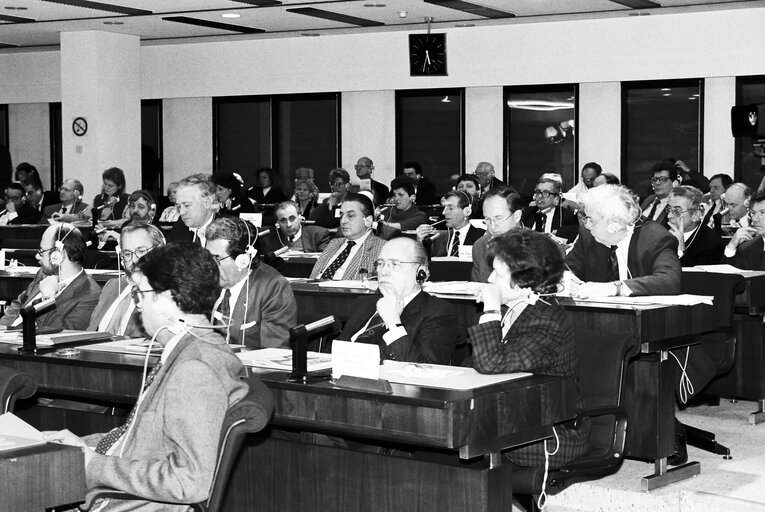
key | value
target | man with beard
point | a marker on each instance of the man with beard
(62, 279)
(140, 208)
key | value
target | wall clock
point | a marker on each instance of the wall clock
(427, 54)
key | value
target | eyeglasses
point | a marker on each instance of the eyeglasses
(659, 179)
(137, 294)
(218, 259)
(544, 193)
(754, 213)
(584, 218)
(676, 210)
(338, 184)
(495, 220)
(128, 255)
(40, 252)
(357, 166)
(65, 189)
(394, 265)
(13, 198)
(285, 220)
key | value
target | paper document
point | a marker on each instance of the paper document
(16, 433)
(281, 359)
(722, 269)
(355, 360)
(466, 289)
(298, 254)
(440, 376)
(59, 338)
(356, 285)
(684, 299)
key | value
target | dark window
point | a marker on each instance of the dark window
(661, 120)
(749, 90)
(540, 135)
(430, 129)
(56, 147)
(5, 157)
(151, 147)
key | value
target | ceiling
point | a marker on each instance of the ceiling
(39, 23)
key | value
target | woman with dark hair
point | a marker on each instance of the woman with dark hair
(468, 183)
(267, 191)
(109, 205)
(228, 193)
(533, 334)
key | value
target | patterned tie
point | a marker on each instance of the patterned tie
(114, 434)
(329, 273)
(373, 332)
(612, 274)
(119, 313)
(653, 209)
(541, 221)
(455, 250)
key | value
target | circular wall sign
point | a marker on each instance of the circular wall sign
(80, 126)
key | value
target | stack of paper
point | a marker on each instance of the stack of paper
(281, 359)
(456, 289)
(16, 433)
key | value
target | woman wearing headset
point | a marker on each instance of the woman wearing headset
(109, 205)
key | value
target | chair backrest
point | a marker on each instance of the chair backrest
(724, 287)
(14, 385)
(249, 415)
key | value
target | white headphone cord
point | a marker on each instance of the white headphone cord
(685, 387)
(542, 500)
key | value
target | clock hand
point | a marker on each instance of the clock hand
(427, 57)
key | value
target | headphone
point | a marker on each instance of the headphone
(613, 227)
(57, 254)
(469, 201)
(422, 275)
(244, 260)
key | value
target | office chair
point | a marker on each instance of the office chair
(603, 358)
(14, 385)
(249, 415)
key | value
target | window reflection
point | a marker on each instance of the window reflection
(749, 90)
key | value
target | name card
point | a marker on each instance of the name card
(255, 218)
(465, 253)
(355, 360)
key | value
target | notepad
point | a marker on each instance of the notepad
(16, 433)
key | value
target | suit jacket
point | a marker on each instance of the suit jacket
(564, 223)
(749, 255)
(48, 198)
(481, 268)
(181, 232)
(652, 260)
(270, 311)
(438, 245)
(48, 211)
(73, 306)
(27, 214)
(365, 257)
(117, 209)
(273, 196)
(325, 217)
(704, 248)
(426, 192)
(239, 204)
(314, 239)
(171, 451)
(380, 191)
(409, 219)
(109, 294)
(541, 340)
(648, 205)
(431, 330)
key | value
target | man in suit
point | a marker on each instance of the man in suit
(590, 172)
(167, 451)
(501, 212)
(664, 178)
(458, 206)
(17, 211)
(424, 188)
(547, 215)
(714, 202)
(406, 323)
(256, 305)
(61, 279)
(697, 243)
(364, 171)
(290, 232)
(327, 214)
(140, 208)
(484, 171)
(745, 249)
(197, 204)
(37, 197)
(116, 312)
(357, 250)
(737, 203)
(71, 208)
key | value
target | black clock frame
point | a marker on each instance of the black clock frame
(435, 45)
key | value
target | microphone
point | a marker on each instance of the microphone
(725, 211)
(276, 253)
(5, 210)
(307, 222)
(266, 231)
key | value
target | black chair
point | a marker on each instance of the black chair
(14, 385)
(249, 415)
(603, 358)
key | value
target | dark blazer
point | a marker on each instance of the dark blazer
(426, 192)
(181, 232)
(564, 223)
(380, 191)
(541, 340)
(481, 268)
(438, 245)
(239, 204)
(365, 257)
(275, 195)
(117, 209)
(313, 238)
(648, 205)
(431, 330)
(749, 255)
(705, 247)
(48, 198)
(73, 306)
(325, 217)
(109, 295)
(27, 214)
(652, 260)
(50, 210)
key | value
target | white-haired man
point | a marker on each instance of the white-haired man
(196, 202)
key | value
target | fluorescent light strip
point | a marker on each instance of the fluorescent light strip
(214, 24)
(333, 16)
(87, 4)
(539, 105)
(15, 19)
(471, 8)
(637, 4)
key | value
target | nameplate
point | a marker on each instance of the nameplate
(355, 360)
(255, 218)
(465, 253)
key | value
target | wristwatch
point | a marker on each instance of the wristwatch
(618, 286)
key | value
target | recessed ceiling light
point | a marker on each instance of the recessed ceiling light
(230, 15)
(692, 98)
(639, 14)
(13, 8)
(464, 25)
(374, 4)
(696, 95)
(309, 34)
(114, 23)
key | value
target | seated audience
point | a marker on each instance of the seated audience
(290, 232)
(256, 306)
(140, 207)
(327, 214)
(547, 216)
(306, 197)
(534, 334)
(737, 203)
(590, 172)
(459, 232)
(352, 255)
(267, 191)
(424, 189)
(17, 211)
(228, 193)
(406, 323)
(170, 213)
(745, 249)
(502, 212)
(196, 203)
(37, 197)
(364, 170)
(404, 215)
(469, 183)
(116, 312)
(664, 178)
(166, 453)
(62, 278)
(606, 178)
(304, 174)
(112, 201)
(697, 243)
(71, 208)
(713, 201)
(484, 171)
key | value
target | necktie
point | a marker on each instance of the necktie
(372, 332)
(653, 209)
(119, 313)
(612, 273)
(198, 239)
(455, 250)
(63, 209)
(541, 221)
(329, 273)
(225, 306)
(114, 434)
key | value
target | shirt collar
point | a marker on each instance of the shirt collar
(360, 241)
(201, 229)
(68, 281)
(171, 346)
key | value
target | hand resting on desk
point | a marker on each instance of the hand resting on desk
(66, 437)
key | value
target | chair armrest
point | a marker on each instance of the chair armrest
(617, 411)
(106, 493)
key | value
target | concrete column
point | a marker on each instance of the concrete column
(484, 128)
(100, 82)
(600, 128)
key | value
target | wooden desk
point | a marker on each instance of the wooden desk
(280, 472)
(34, 479)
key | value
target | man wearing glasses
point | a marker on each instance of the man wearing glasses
(115, 312)
(698, 244)
(71, 208)
(61, 278)
(327, 214)
(547, 216)
(746, 249)
(291, 233)
(501, 212)
(17, 211)
(406, 323)
(364, 170)
(664, 178)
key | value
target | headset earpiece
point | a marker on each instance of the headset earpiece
(244, 260)
(422, 275)
(613, 227)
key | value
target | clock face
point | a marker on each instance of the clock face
(427, 54)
